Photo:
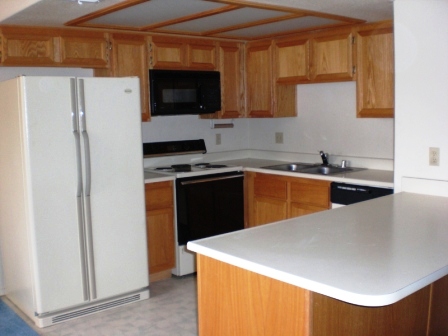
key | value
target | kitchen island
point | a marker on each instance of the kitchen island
(373, 268)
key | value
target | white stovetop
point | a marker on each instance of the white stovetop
(372, 253)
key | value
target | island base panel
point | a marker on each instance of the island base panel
(233, 301)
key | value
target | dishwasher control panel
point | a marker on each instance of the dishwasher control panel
(344, 193)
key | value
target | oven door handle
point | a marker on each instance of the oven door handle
(211, 179)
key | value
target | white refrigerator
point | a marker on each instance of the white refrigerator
(72, 208)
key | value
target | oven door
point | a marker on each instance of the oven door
(209, 205)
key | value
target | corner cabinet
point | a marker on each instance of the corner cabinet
(272, 198)
(265, 98)
(160, 229)
(375, 84)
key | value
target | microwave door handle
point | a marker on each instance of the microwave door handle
(199, 96)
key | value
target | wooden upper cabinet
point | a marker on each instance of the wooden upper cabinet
(202, 55)
(182, 53)
(375, 84)
(53, 47)
(87, 50)
(167, 53)
(291, 60)
(130, 58)
(27, 47)
(231, 67)
(259, 86)
(332, 57)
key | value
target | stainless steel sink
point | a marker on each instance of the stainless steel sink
(310, 168)
(294, 167)
(326, 170)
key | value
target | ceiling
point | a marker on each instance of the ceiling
(234, 19)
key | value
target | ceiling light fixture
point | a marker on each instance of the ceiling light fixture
(82, 1)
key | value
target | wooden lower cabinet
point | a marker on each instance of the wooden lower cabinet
(272, 198)
(160, 229)
(234, 301)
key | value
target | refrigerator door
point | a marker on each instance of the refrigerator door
(52, 182)
(110, 115)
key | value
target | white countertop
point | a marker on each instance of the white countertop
(370, 177)
(372, 253)
(154, 177)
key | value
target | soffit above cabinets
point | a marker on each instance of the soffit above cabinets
(234, 19)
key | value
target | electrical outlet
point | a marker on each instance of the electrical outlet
(218, 138)
(434, 156)
(278, 137)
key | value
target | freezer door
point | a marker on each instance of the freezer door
(114, 184)
(52, 183)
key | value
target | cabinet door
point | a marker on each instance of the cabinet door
(299, 209)
(167, 53)
(311, 192)
(160, 231)
(85, 51)
(259, 80)
(130, 59)
(291, 61)
(375, 84)
(24, 47)
(160, 226)
(268, 210)
(332, 58)
(202, 55)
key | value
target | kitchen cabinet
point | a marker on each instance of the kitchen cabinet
(26, 47)
(84, 49)
(314, 57)
(265, 98)
(130, 58)
(53, 47)
(182, 53)
(231, 67)
(332, 57)
(160, 229)
(275, 197)
(291, 60)
(375, 84)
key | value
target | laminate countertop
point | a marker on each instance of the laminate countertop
(369, 177)
(373, 253)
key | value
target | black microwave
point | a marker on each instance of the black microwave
(174, 92)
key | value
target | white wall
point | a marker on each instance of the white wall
(421, 88)
(11, 72)
(326, 120)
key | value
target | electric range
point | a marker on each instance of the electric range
(209, 196)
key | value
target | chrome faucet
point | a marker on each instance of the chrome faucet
(324, 157)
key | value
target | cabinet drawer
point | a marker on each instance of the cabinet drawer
(270, 187)
(159, 195)
(311, 192)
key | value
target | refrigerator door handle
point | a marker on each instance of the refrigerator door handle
(82, 240)
(88, 214)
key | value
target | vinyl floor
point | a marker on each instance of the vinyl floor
(170, 310)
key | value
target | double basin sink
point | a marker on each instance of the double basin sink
(310, 168)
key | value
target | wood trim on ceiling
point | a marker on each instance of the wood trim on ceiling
(290, 13)
(192, 17)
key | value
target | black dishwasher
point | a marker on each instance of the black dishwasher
(345, 194)
(209, 205)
